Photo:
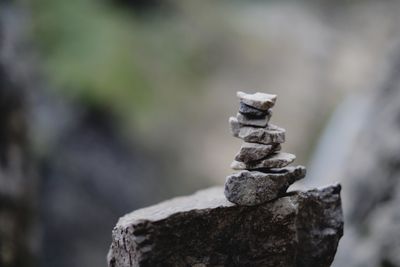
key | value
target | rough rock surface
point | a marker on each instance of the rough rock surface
(257, 122)
(252, 112)
(270, 134)
(299, 230)
(252, 151)
(276, 160)
(253, 188)
(258, 100)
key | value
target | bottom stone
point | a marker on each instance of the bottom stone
(299, 230)
(250, 188)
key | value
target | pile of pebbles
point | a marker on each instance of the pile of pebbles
(263, 173)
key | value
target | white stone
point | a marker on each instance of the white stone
(258, 100)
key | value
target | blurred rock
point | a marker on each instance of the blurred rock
(368, 168)
(87, 172)
(204, 229)
(18, 180)
(373, 182)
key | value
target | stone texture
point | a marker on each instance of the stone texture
(258, 122)
(254, 188)
(235, 126)
(252, 112)
(276, 160)
(252, 151)
(258, 100)
(268, 135)
(299, 230)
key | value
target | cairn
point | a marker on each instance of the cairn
(263, 173)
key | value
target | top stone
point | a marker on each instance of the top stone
(260, 101)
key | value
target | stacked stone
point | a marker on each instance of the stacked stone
(263, 173)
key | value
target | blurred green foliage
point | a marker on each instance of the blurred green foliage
(103, 55)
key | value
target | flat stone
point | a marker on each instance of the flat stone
(253, 188)
(267, 135)
(252, 112)
(258, 100)
(204, 229)
(249, 121)
(276, 160)
(252, 151)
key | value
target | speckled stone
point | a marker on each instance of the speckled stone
(253, 152)
(257, 122)
(251, 112)
(268, 135)
(276, 160)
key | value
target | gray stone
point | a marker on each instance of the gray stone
(253, 188)
(268, 135)
(252, 112)
(252, 151)
(249, 121)
(276, 160)
(258, 100)
(235, 126)
(302, 229)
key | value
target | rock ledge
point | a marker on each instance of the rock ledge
(301, 229)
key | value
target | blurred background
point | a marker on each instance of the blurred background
(107, 106)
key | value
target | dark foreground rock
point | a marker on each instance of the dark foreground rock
(301, 229)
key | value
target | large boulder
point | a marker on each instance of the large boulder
(204, 229)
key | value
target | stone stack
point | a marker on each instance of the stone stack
(263, 173)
